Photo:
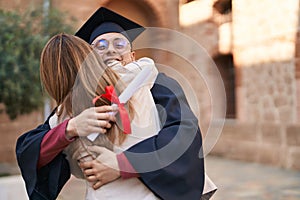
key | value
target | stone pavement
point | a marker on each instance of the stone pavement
(235, 180)
(252, 181)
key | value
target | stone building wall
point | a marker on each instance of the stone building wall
(274, 144)
(264, 47)
(269, 92)
(297, 65)
(10, 130)
(19, 4)
(266, 129)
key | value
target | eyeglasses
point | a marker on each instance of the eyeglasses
(119, 44)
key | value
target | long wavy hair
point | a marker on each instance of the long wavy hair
(73, 74)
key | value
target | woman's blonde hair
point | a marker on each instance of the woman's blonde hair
(73, 74)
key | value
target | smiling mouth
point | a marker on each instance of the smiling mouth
(111, 62)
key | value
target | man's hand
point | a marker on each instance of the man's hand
(103, 169)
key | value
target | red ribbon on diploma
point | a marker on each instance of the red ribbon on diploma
(111, 96)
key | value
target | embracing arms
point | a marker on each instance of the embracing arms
(44, 167)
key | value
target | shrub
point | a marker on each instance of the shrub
(23, 36)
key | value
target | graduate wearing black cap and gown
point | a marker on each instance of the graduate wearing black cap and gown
(172, 165)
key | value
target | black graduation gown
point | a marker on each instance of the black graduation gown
(177, 171)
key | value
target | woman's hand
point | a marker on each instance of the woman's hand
(103, 169)
(91, 120)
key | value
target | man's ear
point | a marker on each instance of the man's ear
(132, 55)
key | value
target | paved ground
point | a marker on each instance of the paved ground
(251, 181)
(235, 180)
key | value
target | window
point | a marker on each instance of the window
(226, 69)
(223, 6)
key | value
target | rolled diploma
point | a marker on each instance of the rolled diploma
(132, 87)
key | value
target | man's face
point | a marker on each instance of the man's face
(114, 47)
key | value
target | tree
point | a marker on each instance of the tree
(22, 37)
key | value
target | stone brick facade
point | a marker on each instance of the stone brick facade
(11, 129)
(268, 92)
(260, 38)
(264, 51)
(269, 143)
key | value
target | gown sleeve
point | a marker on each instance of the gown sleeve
(171, 163)
(44, 183)
(53, 143)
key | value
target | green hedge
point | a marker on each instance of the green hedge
(22, 37)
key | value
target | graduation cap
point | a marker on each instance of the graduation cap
(106, 21)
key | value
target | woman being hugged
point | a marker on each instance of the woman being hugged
(73, 74)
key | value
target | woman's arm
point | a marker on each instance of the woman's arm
(46, 182)
(92, 120)
(53, 173)
(53, 143)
